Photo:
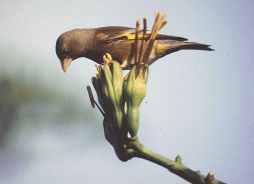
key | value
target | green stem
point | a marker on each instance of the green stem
(175, 167)
(153, 157)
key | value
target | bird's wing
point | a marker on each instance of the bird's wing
(167, 37)
(110, 34)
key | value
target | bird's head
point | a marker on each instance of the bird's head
(68, 48)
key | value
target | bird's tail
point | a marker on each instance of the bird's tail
(166, 47)
(195, 46)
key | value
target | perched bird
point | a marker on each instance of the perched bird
(119, 42)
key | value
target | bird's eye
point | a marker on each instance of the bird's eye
(65, 51)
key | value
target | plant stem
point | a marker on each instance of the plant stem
(175, 167)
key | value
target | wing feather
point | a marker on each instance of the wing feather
(114, 33)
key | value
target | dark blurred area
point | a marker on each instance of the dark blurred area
(40, 116)
(30, 99)
(8, 109)
(22, 99)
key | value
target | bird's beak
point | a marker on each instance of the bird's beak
(66, 63)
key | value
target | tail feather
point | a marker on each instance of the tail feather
(169, 46)
(195, 46)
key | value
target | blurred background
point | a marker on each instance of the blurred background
(199, 104)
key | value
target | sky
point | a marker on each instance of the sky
(199, 105)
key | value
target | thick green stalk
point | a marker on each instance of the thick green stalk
(175, 167)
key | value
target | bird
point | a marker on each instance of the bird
(119, 42)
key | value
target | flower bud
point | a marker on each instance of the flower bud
(135, 91)
(109, 88)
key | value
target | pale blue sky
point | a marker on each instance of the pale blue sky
(199, 104)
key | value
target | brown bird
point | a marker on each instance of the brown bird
(119, 42)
